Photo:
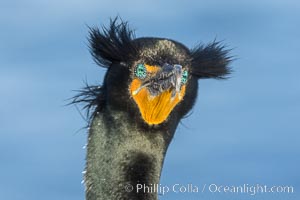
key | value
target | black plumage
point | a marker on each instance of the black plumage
(132, 116)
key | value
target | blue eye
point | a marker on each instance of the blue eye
(140, 71)
(184, 77)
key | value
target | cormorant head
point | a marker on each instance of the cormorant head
(153, 79)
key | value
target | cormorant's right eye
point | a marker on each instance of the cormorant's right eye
(140, 71)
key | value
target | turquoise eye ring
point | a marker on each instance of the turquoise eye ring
(184, 77)
(140, 71)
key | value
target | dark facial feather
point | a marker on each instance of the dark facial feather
(210, 61)
(113, 44)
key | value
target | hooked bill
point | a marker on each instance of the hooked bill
(158, 92)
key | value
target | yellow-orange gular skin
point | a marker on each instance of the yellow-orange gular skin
(154, 109)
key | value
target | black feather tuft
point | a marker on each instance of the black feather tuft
(210, 61)
(93, 98)
(113, 44)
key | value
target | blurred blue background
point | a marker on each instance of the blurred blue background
(244, 130)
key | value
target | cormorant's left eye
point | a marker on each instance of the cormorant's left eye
(140, 71)
(184, 77)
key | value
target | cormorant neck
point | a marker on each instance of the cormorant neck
(123, 159)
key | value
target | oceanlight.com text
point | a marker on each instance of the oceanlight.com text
(248, 189)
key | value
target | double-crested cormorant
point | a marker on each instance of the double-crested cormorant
(150, 84)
